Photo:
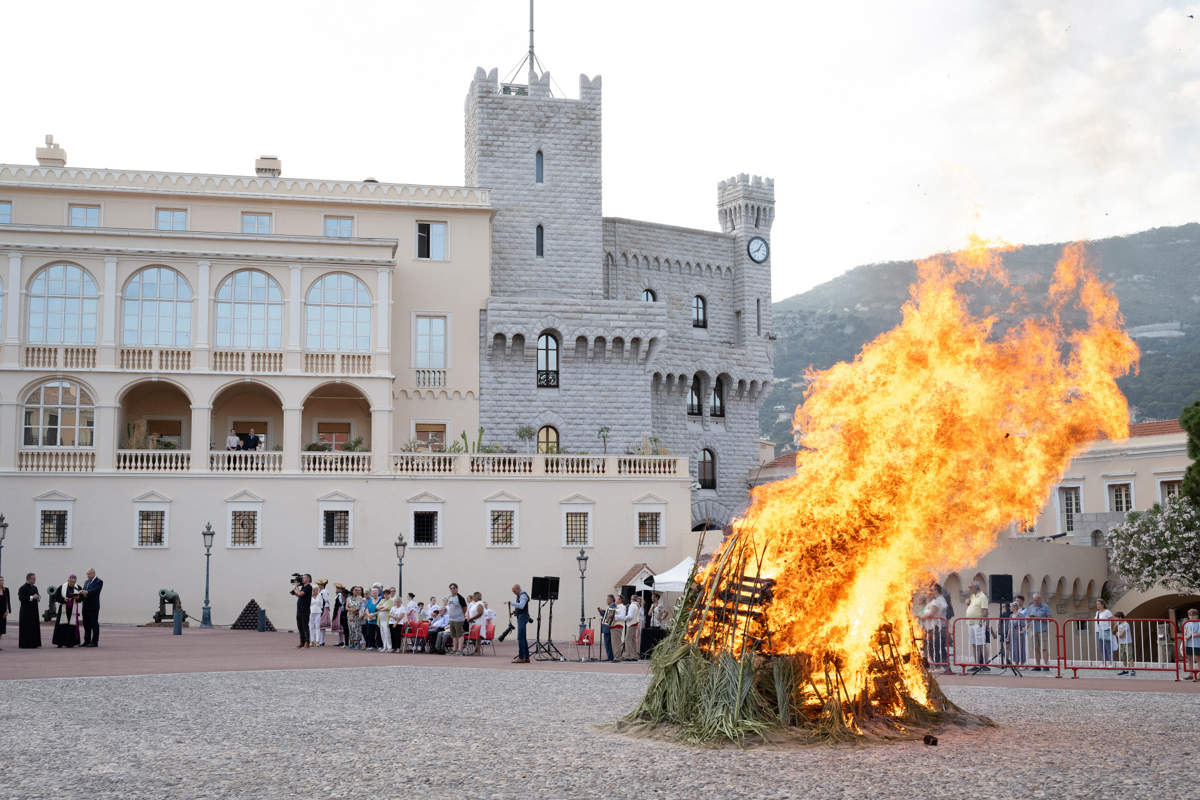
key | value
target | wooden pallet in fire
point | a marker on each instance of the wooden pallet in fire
(735, 612)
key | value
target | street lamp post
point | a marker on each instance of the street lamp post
(208, 533)
(581, 560)
(3, 533)
(401, 545)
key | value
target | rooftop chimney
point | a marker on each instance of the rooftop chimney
(268, 166)
(52, 155)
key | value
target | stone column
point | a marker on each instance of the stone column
(105, 442)
(295, 304)
(14, 290)
(291, 438)
(107, 355)
(201, 315)
(381, 440)
(383, 323)
(201, 437)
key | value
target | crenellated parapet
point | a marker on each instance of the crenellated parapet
(745, 201)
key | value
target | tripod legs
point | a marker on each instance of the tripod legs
(545, 651)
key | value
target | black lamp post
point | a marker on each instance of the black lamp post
(401, 545)
(581, 560)
(208, 533)
(3, 533)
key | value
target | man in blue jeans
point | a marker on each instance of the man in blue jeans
(605, 629)
(520, 608)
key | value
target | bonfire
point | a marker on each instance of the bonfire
(943, 432)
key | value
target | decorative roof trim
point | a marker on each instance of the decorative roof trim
(259, 187)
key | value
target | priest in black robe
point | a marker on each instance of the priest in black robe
(5, 607)
(66, 629)
(29, 633)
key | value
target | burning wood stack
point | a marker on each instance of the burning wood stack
(942, 432)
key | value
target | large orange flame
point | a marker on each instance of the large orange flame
(941, 433)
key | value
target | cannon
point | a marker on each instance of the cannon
(53, 598)
(168, 596)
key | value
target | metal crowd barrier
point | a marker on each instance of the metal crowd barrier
(999, 643)
(1150, 645)
(936, 640)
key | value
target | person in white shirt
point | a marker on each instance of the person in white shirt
(317, 606)
(617, 630)
(233, 441)
(1104, 637)
(633, 629)
(396, 619)
(933, 621)
(489, 616)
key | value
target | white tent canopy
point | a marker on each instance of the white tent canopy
(674, 579)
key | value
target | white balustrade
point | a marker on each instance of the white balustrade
(57, 459)
(228, 361)
(154, 460)
(175, 360)
(320, 363)
(650, 465)
(79, 357)
(424, 463)
(575, 465)
(259, 361)
(356, 363)
(335, 461)
(245, 461)
(430, 378)
(501, 464)
(136, 358)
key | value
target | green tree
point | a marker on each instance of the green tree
(1190, 421)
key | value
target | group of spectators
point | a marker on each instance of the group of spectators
(375, 618)
(1023, 632)
(622, 621)
(243, 441)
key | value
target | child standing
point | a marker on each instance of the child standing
(1124, 644)
(1191, 642)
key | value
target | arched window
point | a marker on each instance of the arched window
(648, 296)
(716, 400)
(706, 471)
(693, 405)
(156, 310)
(540, 246)
(699, 312)
(63, 303)
(547, 439)
(58, 414)
(249, 311)
(547, 361)
(337, 314)
(539, 164)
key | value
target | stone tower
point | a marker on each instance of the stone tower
(746, 209)
(540, 156)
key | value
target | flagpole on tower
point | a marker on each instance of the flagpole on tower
(532, 72)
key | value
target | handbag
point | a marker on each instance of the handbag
(326, 619)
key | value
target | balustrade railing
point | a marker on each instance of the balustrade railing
(424, 463)
(500, 464)
(175, 360)
(51, 356)
(320, 363)
(337, 363)
(651, 465)
(355, 363)
(430, 378)
(154, 460)
(245, 461)
(60, 459)
(41, 357)
(576, 465)
(258, 361)
(335, 461)
(79, 357)
(137, 358)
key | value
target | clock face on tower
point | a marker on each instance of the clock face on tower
(757, 249)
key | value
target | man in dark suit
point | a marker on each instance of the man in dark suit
(91, 609)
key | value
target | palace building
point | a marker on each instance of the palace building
(495, 371)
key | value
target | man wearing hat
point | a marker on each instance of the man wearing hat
(66, 630)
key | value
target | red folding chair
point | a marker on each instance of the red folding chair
(420, 635)
(587, 637)
(488, 638)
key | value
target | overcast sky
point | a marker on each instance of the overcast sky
(892, 129)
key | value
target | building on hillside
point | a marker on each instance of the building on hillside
(307, 364)
(657, 334)
(1062, 554)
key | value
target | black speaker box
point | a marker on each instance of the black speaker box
(551, 587)
(540, 589)
(1000, 588)
(626, 593)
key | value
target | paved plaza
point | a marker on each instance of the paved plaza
(373, 725)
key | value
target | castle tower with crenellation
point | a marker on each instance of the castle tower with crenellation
(656, 333)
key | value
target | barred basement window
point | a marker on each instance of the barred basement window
(54, 529)
(335, 532)
(425, 528)
(577, 529)
(244, 532)
(152, 528)
(648, 528)
(502, 531)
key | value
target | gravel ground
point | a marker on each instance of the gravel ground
(445, 733)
